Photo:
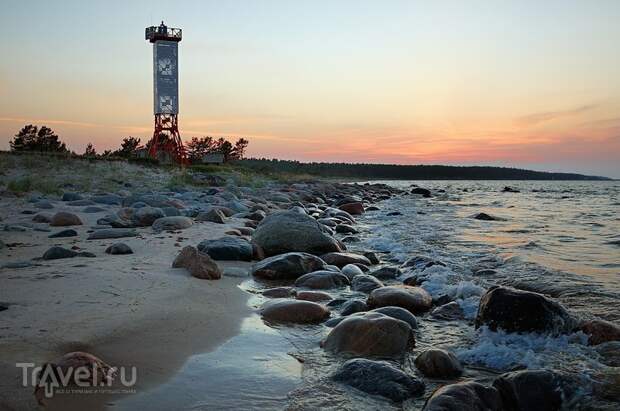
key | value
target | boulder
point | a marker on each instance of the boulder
(345, 229)
(172, 223)
(437, 363)
(68, 196)
(600, 331)
(421, 262)
(42, 217)
(214, 216)
(379, 378)
(64, 233)
(399, 314)
(146, 216)
(340, 259)
(322, 280)
(294, 311)
(245, 230)
(535, 390)
(424, 192)
(365, 283)
(353, 208)
(448, 312)
(289, 266)
(387, 273)
(119, 249)
(315, 296)
(508, 189)
(280, 292)
(106, 233)
(353, 306)
(372, 257)
(258, 215)
(55, 253)
(287, 231)
(199, 264)
(63, 218)
(485, 217)
(370, 334)
(464, 396)
(228, 248)
(414, 299)
(522, 311)
(351, 270)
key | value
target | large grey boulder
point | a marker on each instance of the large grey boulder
(289, 266)
(536, 390)
(370, 335)
(464, 396)
(287, 231)
(379, 378)
(227, 248)
(522, 311)
(414, 299)
(323, 279)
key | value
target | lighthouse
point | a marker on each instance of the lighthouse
(166, 145)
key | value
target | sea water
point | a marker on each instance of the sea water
(554, 237)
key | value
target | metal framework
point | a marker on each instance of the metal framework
(166, 144)
(167, 140)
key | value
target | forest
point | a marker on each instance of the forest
(404, 172)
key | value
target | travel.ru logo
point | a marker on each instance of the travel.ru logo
(77, 375)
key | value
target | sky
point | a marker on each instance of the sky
(513, 83)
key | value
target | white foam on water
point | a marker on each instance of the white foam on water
(501, 350)
(469, 306)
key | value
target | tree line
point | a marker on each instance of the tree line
(403, 172)
(31, 138)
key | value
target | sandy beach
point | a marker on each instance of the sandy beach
(132, 310)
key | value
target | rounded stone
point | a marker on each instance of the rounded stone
(63, 218)
(119, 249)
(370, 335)
(437, 363)
(294, 311)
(414, 299)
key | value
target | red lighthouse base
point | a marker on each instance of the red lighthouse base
(166, 144)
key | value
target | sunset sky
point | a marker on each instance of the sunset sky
(525, 83)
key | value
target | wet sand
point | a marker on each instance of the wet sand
(130, 310)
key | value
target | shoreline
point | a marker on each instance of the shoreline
(123, 308)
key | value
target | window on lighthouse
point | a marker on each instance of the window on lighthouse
(165, 67)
